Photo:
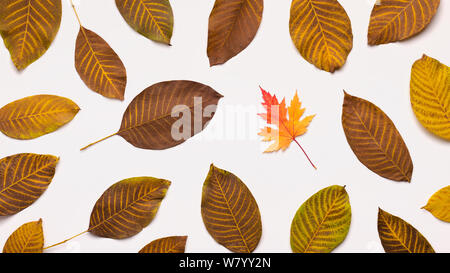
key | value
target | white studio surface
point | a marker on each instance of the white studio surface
(280, 182)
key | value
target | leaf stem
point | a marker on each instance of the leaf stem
(76, 14)
(105, 138)
(312, 164)
(60, 243)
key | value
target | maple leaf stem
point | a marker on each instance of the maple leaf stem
(312, 164)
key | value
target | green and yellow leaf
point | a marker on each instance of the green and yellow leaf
(233, 25)
(34, 116)
(375, 140)
(29, 238)
(439, 204)
(398, 236)
(396, 20)
(151, 18)
(230, 212)
(127, 207)
(322, 32)
(430, 95)
(28, 27)
(99, 66)
(174, 244)
(322, 222)
(23, 179)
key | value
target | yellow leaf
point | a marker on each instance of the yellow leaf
(430, 95)
(28, 238)
(439, 204)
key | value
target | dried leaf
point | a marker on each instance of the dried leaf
(322, 32)
(150, 119)
(232, 27)
(99, 66)
(288, 128)
(34, 116)
(28, 27)
(375, 140)
(151, 18)
(25, 177)
(430, 95)
(439, 204)
(397, 236)
(127, 207)
(230, 212)
(396, 20)
(174, 244)
(322, 222)
(28, 238)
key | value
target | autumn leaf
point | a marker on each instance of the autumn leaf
(28, 238)
(439, 204)
(287, 120)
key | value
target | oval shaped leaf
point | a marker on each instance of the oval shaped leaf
(28, 238)
(230, 212)
(152, 120)
(34, 116)
(322, 222)
(322, 32)
(174, 244)
(439, 204)
(25, 177)
(151, 18)
(397, 236)
(396, 20)
(127, 207)
(232, 27)
(28, 27)
(430, 95)
(375, 140)
(99, 66)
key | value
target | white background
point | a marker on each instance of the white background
(280, 182)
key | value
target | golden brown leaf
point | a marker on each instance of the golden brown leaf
(23, 179)
(430, 95)
(232, 27)
(230, 212)
(375, 140)
(149, 120)
(322, 222)
(34, 116)
(398, 236)
(151, 18)
(396, 20)
(174, 244)
(439, 204)
(99, 66)
(28, 238)
(28, 27)
(127, 207)
(322, 32)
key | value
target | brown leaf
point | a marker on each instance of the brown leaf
(232, 26)
(398, 236)
(25, 177)
(127, 207)
(322, 32)
(375, 140)
(396, 20)
(99, 66)
(151, 117)
(174, 244)
(230, 212)
(28, 238)
(35, 116)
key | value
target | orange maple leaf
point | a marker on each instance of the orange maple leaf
(288, 127)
